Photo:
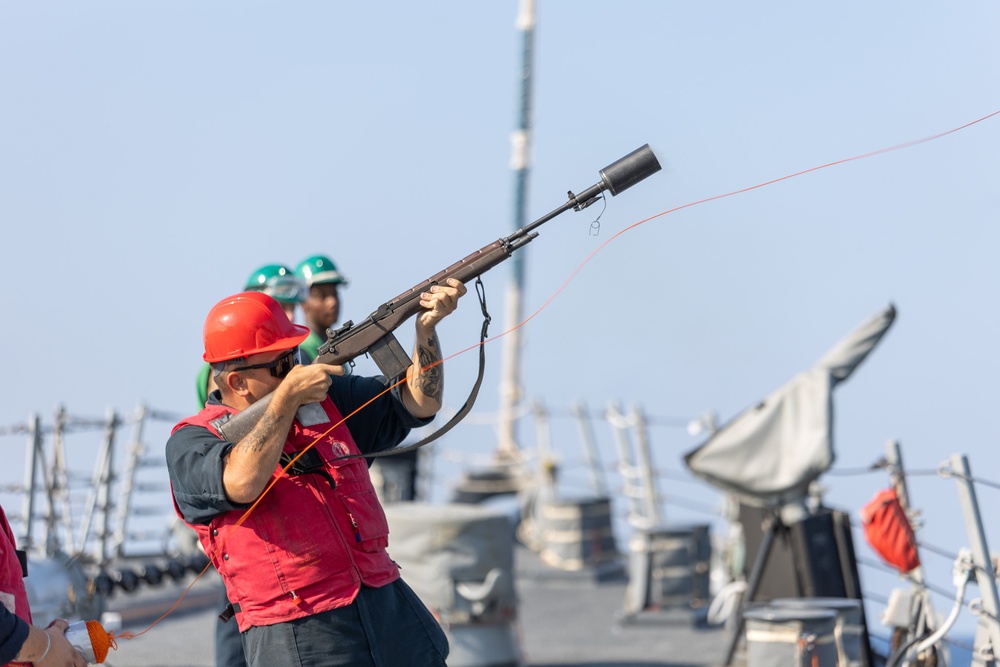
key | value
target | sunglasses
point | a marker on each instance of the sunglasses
(280, 367)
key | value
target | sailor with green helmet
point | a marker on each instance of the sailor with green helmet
(280, 283)
(321, 305)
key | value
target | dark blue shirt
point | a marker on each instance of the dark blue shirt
(13, 634)
(195, 456)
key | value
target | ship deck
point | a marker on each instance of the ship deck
(565, 620)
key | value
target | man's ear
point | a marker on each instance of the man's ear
(236, 383)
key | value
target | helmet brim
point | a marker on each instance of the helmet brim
(327, 277)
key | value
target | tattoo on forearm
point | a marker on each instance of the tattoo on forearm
(256, 439)
(430, 381)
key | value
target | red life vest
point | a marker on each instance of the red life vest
(307, 547)
(13, 595)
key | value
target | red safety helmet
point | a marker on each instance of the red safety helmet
(248, 323)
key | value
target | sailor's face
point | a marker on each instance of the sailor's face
(322, 306)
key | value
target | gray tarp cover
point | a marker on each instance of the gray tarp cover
(440, 546)
(770, 453)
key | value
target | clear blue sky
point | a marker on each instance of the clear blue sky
(152, 154)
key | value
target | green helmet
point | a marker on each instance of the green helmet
(276, 281)
(319, 269)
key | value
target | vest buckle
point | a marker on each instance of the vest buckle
(229, 612)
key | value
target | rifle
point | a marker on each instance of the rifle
(374, 335)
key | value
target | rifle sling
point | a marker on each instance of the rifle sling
(469, 402)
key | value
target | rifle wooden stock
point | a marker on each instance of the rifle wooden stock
(353, 340)
(374, 334)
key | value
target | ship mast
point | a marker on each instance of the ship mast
(511, 391)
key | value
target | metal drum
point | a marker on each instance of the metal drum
(668, 568)
(395, 477)
(848, 631)
(577, 533)
(788, 637)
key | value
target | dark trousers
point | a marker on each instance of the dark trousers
(383, 627)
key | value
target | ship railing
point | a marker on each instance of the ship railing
(65, 509)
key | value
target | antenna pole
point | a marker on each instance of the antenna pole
(511, 390)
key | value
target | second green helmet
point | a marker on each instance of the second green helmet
(319, 269)
(276, 281)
